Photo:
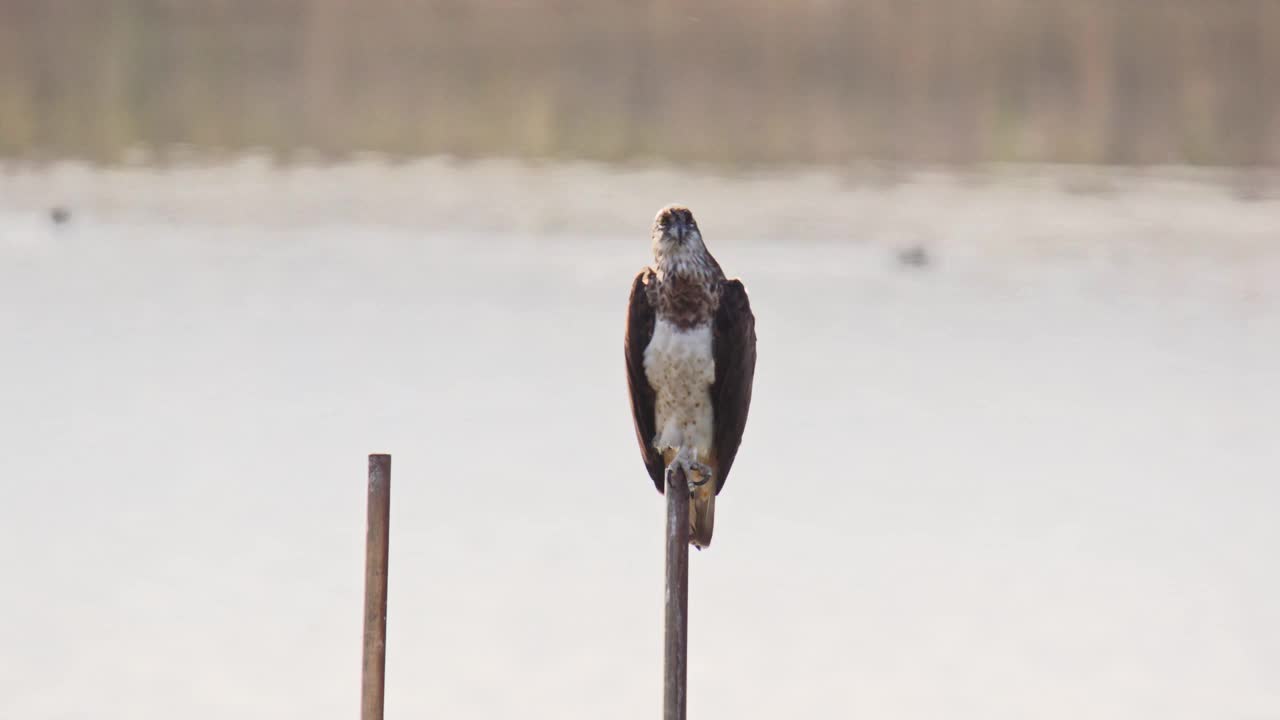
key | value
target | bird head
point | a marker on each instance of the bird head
(675, 233)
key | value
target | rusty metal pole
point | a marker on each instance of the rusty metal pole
(676, 661)
(376, 545)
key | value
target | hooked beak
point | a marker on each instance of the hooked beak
(678, 229)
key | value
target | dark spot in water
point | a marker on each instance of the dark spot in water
(914, 256)
(59, 215)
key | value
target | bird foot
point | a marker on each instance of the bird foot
(691, 467)
(704, 471)
(671, 474)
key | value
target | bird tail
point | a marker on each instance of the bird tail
(702, 515)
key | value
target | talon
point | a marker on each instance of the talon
(691, 468)
(702, 470)
(670, 476)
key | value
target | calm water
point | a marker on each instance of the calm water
(1034, 478)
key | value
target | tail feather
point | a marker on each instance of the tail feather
(702, 515)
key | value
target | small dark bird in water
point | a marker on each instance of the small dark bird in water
(59, 215)
(914, 256)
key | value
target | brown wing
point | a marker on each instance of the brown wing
(640, 319)
(734, 346)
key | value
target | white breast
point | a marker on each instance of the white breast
(681, 368)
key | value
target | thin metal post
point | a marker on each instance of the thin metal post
(677, 597)
(376, 545)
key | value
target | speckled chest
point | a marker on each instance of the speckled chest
(680, 366)
(685, 301)
(679, 363)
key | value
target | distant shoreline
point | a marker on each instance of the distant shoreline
(1012, 206)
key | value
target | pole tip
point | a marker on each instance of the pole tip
(379, 464)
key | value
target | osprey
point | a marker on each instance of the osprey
(691, 356)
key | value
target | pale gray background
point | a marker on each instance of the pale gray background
(1038, 478)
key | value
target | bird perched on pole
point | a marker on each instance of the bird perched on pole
(691, 357)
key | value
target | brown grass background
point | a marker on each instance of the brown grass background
(738, 83)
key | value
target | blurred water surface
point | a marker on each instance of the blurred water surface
(1035, 477)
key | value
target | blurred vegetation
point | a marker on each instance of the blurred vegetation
(712, 81)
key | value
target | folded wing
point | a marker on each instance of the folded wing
(734, 347)
(640, 320)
